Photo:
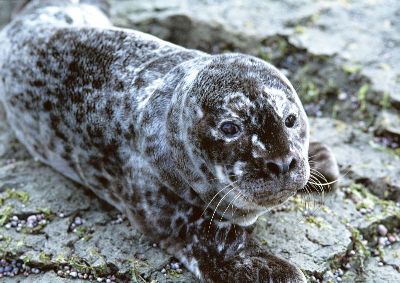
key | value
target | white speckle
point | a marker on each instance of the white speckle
(277, 99)
(199, 113)
(220, 174)
(257, 142)
(192, 265)
(237, 168)
(240, 246)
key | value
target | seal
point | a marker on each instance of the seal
(191, 147)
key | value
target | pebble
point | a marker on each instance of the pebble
(382, 230)
(382, 241)
(35, 270)
(392, 238)
(73, 273)
(174, 265)
(347, 266)
(78, 221)
(363, 211)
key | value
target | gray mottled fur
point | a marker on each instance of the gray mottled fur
(137, 120)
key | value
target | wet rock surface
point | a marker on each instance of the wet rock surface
(343, 58)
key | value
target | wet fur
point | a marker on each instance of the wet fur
(132, 118)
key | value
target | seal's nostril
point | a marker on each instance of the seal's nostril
(292, 164)
(278, 168)
(274, 168)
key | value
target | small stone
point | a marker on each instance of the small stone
(73, 274)
(99, 279)
(392, 238)
(32, 218)
(78, 221)
(347, 266)
(342, 96)
(382, 241)
(35, 270)
(14, 218)
(340, 272)
(61, 215)
(382, 230)
(352, 252)
(163, 271)
(363, 211)
(108, 280)
(60, 273)
(179, 270)
(174, 265)
(8, 226)
(380, 263)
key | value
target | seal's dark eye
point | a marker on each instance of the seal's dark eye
(290, 120)
(230, 129)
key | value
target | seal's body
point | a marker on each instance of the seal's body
(192, 147)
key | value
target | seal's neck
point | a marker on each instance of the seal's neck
(163, 137)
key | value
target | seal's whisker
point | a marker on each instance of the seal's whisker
(209, 203)
(316, 182)
(230, 204)
(218, 204)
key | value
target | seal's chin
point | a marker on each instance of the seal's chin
(267, 200)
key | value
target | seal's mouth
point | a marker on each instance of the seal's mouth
(268, 198)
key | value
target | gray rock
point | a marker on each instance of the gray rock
(388, 124)
(360, 157)
(42, 278)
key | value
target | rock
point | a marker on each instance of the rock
(375, 273)
(360, 157)
(43, 278)
(388, 125)
(382, 230)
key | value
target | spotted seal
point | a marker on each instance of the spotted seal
(191, 147)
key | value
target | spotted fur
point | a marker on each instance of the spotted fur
(138, 121)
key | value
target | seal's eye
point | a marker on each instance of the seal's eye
(230, 129)
(290, 120)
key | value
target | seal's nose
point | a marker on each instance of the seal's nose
(282, 166)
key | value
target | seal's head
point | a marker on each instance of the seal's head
(249, 136)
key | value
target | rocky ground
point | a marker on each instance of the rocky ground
(343, 58)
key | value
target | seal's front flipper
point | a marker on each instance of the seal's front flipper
(324, 170)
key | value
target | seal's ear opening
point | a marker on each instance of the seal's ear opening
(324, 170)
